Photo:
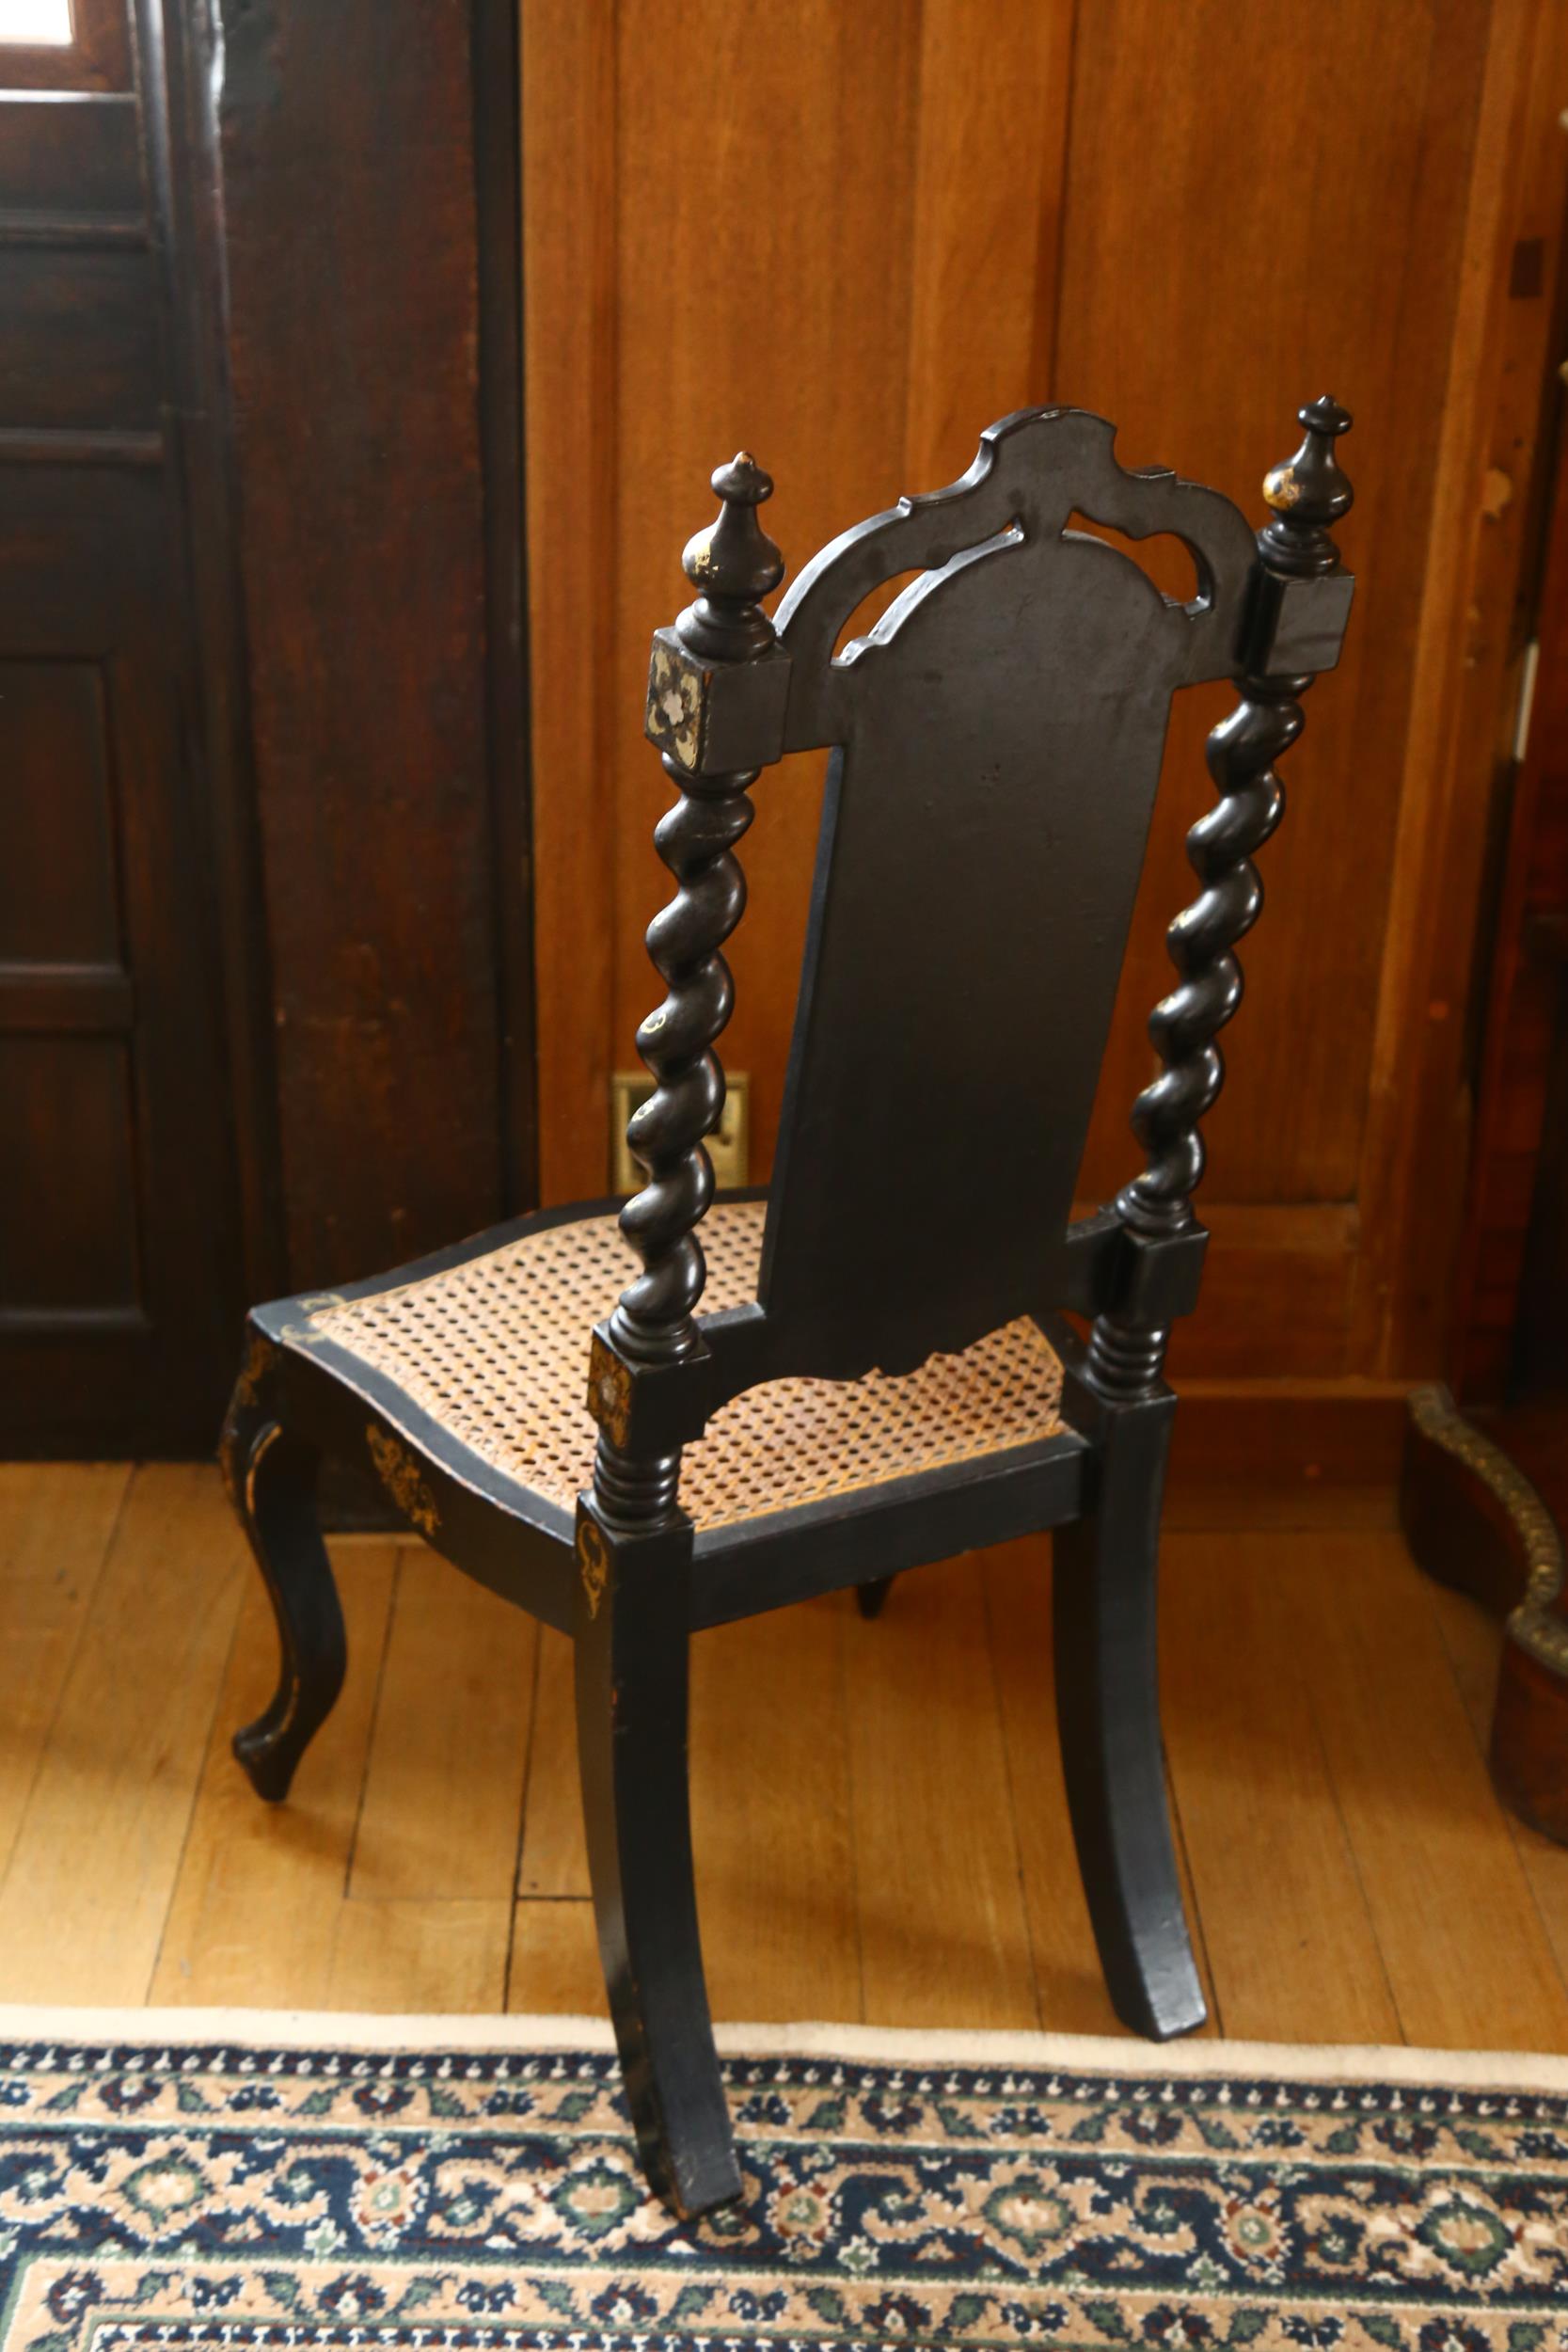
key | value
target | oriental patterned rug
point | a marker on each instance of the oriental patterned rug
(178, 2182)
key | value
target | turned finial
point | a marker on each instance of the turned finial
(1308, 494)
(733, 564)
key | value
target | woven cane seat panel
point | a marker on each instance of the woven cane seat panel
(496, 1352)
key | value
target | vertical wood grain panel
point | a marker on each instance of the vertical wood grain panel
(570, 157)
(356, 421)
(1246, 264)
(987, 228)
(1418, 1132)
(846, 241)
(764, 302)
(1493, 1285)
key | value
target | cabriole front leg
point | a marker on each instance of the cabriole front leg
(270, 1472)
(632, 1639)
(1108, 1713)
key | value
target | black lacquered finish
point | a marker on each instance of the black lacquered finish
(996, 742)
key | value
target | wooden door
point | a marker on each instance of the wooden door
(264, 1000)
(119, 1268)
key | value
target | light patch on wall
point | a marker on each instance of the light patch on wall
(36, 23)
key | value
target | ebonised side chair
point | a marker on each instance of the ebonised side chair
(883, 1374)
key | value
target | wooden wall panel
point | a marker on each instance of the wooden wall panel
(987, 192)
(1455, 752)
(80, 346)
(764, 302)
(358, 452)
(569, 177)
(1507, 1306)
(1235, 272)
(762, 292)
(871, 232)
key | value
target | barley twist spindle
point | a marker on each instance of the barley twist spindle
(1307, 495)
(732, 565)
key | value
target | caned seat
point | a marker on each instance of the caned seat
(492, 1352)
(910, 1348)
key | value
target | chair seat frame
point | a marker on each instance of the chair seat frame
(627, 1575)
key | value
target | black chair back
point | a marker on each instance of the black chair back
(997, 745)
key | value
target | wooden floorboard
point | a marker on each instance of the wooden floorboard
(87, 1886)
(771, 1823)
(1470, 1639)
(555, 1959)
(1289, 1933)
(771, 1814)
(418, 1955)
(554, 1860)
(56, 1523)
(1466, 1955)
(1069, 1990)
(944, 1934)
(442, 1807)
(878, 1808)
(261, 1896)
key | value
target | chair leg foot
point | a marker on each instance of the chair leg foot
(631, 1709)
(1108, 1712)
(871, 1598)
(272, 1478)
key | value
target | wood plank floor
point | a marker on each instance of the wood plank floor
(878, 1808)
